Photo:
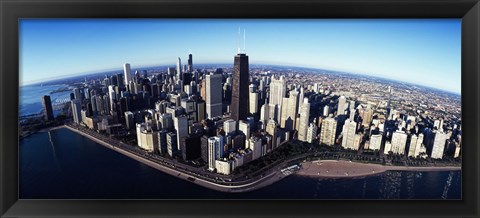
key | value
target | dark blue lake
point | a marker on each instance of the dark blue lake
(66, 165)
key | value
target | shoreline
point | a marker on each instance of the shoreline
(48, 129)
(331, 169)
(257, 184)
(320, 169)
(30, 133)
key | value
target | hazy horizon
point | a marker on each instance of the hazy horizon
(419, 51)
(120, 70)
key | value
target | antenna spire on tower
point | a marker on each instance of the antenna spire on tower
(238, 41)
(244, 40)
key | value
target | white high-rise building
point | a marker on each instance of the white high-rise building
(188, 89)
(255, 144)
(253, 104)
(352, 110)
(303, 121)
(265, 113)
(213, 95)
(129, 120)
(342, 105)
(76, 110)
(284, 112)
(215, 151)
(357, 139)
(399, 141)
(147, 138)
(388, 147)
(326, 111)
(348, 132)
(179, 68)
(367, 115)
(393, 115)
(413, 144)
(99, 104)
(439, 145)
(180, 124)
(436, 124)
(278, 90)
(289, 111)
(165, 121)
(375, 142)
(224, 166)
(274, 112)
(106, 104)
(161, 106)
(419, 145)
(457, 150)
(412, 123)
(244, 127)
(171, 144)
(316, 87)
(328, 131)
(230, 126)
(111, 94)
(127, 74)
(300, 98)
(272, 130)
(311, 133)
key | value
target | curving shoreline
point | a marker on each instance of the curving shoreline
(346, 169)
(332, 169)
(254, 185)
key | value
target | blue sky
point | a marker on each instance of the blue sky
(426, 52)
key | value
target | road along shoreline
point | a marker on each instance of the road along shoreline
(346, 169)
(318, 169)
(262, 182)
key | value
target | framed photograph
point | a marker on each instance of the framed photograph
(224, 109)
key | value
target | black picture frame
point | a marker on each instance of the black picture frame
(11, 11)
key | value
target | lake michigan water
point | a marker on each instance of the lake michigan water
(65, 165)
(30, 98)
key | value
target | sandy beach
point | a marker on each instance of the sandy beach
(346, 169)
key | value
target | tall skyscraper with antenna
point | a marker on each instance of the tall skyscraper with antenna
(240, 104)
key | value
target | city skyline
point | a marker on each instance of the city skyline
(198, 124)
(434, 41)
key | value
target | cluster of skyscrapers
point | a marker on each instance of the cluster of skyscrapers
(227, 119)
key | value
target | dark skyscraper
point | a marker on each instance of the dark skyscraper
(47, 107)
(120, 80)
(114, 80)
(190, 63)
(240, 105)
(187, 78)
